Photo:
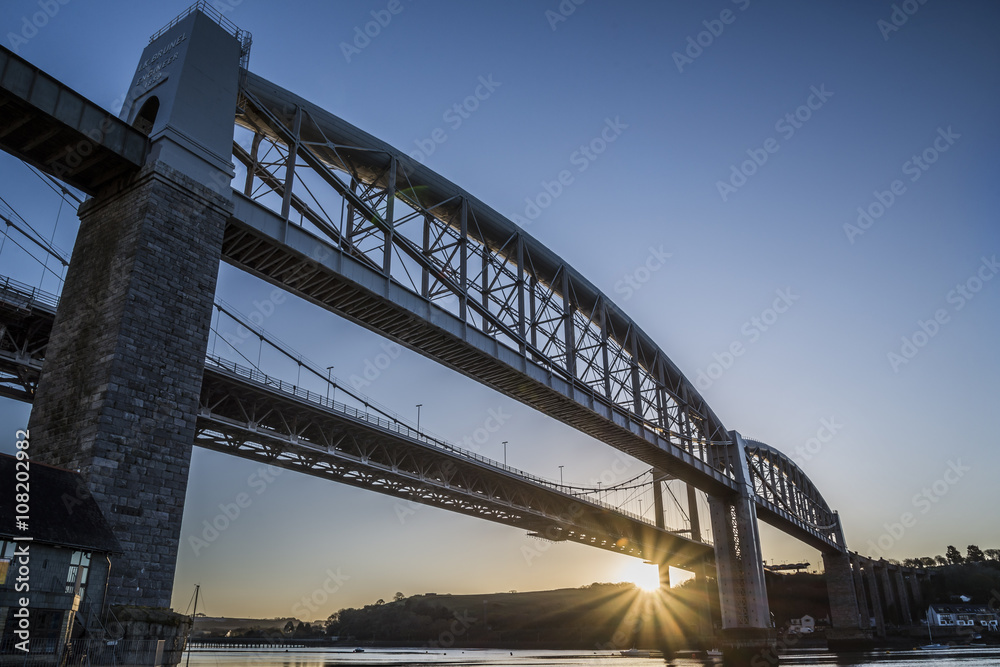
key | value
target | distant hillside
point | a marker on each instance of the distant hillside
(599, 616)
(219, 626)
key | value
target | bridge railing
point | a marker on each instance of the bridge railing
(406, 431)
(26, 297)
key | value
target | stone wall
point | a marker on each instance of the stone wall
(119, 396)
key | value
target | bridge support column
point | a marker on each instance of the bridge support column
(906, 614)
(746, 619)
(890, 609)
(859, 592)
(917, 595)
(847, 630)
(118, 397)
(877, 610)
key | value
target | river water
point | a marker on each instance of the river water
(966, 657)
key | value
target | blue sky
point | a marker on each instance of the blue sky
(864, 100)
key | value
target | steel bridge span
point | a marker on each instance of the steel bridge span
(246, 413)
(338, 217)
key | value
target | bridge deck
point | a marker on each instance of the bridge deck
(259, 241)
(49, 125)
(247, 414)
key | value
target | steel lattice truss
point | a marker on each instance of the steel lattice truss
(402, 221)
(248, 414)
(26, 316)
(785, 495)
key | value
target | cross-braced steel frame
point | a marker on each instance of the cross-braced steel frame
(785, 495)
(403, 222)
(248, 414)
(26, 316)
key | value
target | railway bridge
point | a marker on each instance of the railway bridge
(122, 388)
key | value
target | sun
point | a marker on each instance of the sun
(646, 577)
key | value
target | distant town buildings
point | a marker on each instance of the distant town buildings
(963, 615)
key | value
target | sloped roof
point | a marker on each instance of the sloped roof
(59, 514)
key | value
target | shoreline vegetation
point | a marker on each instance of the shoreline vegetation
(599, 616)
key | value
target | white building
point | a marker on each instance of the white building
(802, 626)
(962, 615)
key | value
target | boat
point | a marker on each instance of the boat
(359, 650)
(634, 653)
(933, 646)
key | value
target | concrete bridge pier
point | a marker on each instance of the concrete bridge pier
(118, 396)
(917, 595)
(864, 610)
(747, 635)
(848, 629)
(878, 612)
(906, 615)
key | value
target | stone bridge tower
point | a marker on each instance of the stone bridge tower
(118, 397)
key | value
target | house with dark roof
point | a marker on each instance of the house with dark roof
(56, 550)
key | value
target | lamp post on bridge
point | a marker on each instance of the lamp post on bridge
(329, 381)
(419, 405)
(504, 443)
(560, 476)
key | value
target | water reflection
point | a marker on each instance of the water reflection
(501, 658)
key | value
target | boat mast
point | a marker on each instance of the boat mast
(194, 612)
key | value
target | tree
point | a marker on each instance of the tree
(953, 555)
(289, 627)
(398, 597)
(911, 562)
(974, 554)
(927, 561)
(993, 554)
(379, 602)
(941, 560)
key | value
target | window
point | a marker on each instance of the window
(6, 556)
(79, 568)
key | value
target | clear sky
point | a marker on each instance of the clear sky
(747, 135)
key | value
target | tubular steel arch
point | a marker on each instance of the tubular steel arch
(787, 498)
(387, 211)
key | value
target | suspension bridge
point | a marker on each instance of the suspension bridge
(208, 162)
